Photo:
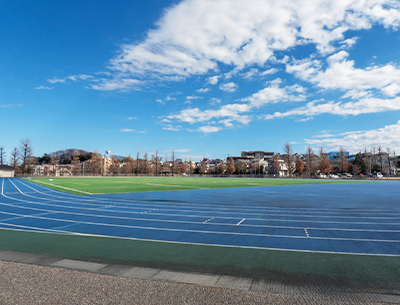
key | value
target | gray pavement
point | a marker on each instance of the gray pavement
(254, 289)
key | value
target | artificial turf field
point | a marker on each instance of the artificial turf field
(114, 185)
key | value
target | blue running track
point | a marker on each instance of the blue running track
(362, 218)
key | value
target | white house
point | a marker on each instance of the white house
(7, 171)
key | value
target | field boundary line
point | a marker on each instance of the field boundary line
(63, 187)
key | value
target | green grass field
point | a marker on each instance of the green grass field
(112, 185)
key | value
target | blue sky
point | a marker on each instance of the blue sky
(203, 78)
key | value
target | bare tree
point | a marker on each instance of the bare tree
(368, 160)
(389, 172)
(380, 155)
(75, 163)
(288, 157)
(324, 163)
(394, 160)
(275, 163)
(373, 158)
(145, 163)
(190, 167)
(54, 162)
(221, 168)
(310, 164)
(231, 166)
(137, 163)
(343, 163)
(26, 153)
(96, 163)
(129, 167)
(173, 162)
(299, 166)
(115, 169)
(156, 161)
(14, 157)
(2, 155)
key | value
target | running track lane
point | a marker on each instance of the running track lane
(32, 207)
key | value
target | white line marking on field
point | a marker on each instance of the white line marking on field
(305, 230)
(240, 221)
(67, 188)
(208, 220)
(145, 212)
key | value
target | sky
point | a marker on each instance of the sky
(200, 78)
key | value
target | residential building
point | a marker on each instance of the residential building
(258, 154)
(7, 171)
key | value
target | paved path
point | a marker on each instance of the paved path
(37, 279)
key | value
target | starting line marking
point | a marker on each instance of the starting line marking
(240, 221)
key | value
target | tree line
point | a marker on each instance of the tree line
(310, 163)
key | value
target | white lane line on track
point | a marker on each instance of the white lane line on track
(212, 232)
(156, 214)
(127, 202)
(199, 231)
(305, 230)
(208, 220)
(67, 188)
(240, 221)
(249, 234)
(203, 244)
(257, 226)
(186, 221)
(241, 213)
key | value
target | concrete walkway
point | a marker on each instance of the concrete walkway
(274, 291)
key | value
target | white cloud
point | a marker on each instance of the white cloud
(56, 80)
(230, 113)
(341, 74)
(43, 88)
(172, 128)
(213, 80)
(193, 97)
(203, 90)
(160, 101)
(208, 129)
(132, 118)
(170, 98)
(195, 115)
(363, 106)
(348, 43)
(269, 71)
(120, 84)
(392, 89)
(215, 101)
(74, 78)
(274, 94)
(244, 33)
(306, 119)
(131, 130)
(325, 135)
(228, 87)
(358, 140)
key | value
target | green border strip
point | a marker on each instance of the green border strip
(286, 266)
